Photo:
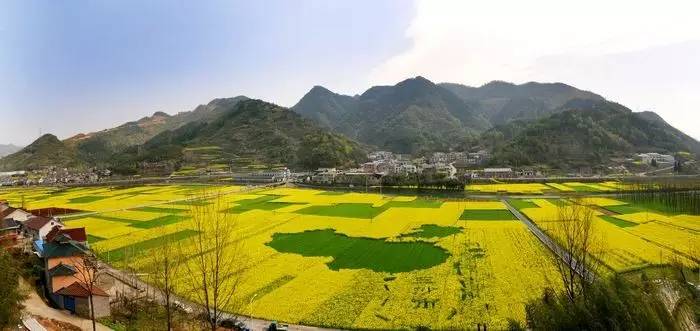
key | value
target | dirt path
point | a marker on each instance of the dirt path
(34, 305)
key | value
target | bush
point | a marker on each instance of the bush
(614, 304)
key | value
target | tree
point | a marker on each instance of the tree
(218, 263)
(654, 163)
(88, 272)
(165, 265)
(574, 233)
(11, 296)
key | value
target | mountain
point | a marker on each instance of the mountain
(256, 129)
(584, 132)
(43, 152)
(98, 147)
(412, 116)
(7, 149)
(501, 102)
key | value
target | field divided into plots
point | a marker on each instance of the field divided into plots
(356, 260)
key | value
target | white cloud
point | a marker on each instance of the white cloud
(634, 52)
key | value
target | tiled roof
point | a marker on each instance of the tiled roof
(77, 234)
(62, 270)
(37, 222)
(56, 249)
(8, 224)
(79, 290)
(7, 212)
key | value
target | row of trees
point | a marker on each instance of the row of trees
(209, 267)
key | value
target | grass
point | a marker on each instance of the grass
(360, 253)
(487, 215)
(94, 239)
(433, 231)
(160, 221)
(349, 210)
(366, 210)
(116, 219)
(332, 193)
(161, 210)
(617, 221)
(119, 254)
(521, 204)
(626, 209)
(87, 199)
(261, 203)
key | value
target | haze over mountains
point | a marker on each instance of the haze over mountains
(552, 124)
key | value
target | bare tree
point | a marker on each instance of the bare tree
(88, 272)
(575, 234)
(164, 267)
(217, 264)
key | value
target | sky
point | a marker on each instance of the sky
(79, 66)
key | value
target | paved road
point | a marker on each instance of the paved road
(551, 244)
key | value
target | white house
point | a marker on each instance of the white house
(648, 158)
(38, 226)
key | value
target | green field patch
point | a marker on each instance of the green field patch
(365, 210)
(160, 221)
(487, 215)
(619, 222)
(119, 254)
(417, 203)
(93, 239)
(116, 219)
(160, 210)
(433, 231)
(87, 199)
(348, 210)
(192, 203)
(332, 193)
(360, 253)
(625, 209)
(262, 203)
(522, 204)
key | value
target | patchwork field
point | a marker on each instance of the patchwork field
(630, 237)
(355, 260)
(541, 188)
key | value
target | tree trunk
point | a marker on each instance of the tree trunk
(92, 313)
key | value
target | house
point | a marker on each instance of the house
(648, 158)
(9, 230)
(58, 233)
(65, 276)
(37, 227)
(16, 214)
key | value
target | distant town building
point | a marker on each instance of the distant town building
(498, 173)
(648, 158)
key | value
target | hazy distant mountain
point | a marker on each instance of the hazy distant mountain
(412, 116)
(45, 151)
(502, 102)
(253, 128)
(7, 149)
(97, 147)
(585, 132)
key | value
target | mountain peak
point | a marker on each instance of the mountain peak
(46, 138)
(418, 81)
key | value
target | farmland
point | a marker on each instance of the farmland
(358, 260)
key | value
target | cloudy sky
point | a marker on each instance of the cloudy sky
(80, 66)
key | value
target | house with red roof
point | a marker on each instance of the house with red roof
(67, 277)
(58, 233)
(37, 227)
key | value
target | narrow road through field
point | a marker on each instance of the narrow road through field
(551, 244)
(254, 324)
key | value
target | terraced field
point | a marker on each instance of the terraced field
(354, 260)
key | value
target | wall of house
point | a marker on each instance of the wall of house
(47, 228)
(82, 306)
(60, 282)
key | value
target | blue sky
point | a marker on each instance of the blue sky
(79, 66)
